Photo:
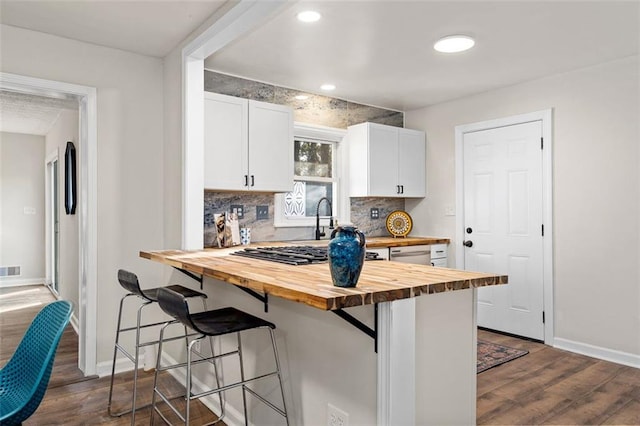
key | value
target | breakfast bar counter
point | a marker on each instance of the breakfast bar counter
(423, 367)
(380, 281)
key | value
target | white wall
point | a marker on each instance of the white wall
(22, 187)
(130, 161)
(65, 130)
(596, 160)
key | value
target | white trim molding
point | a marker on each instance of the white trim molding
(545, 117)
(606, 354)
(87, 210)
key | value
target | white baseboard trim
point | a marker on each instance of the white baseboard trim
(233, 417)
(12, 282)
(605, 354)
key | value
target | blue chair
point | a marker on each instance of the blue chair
(24, 379)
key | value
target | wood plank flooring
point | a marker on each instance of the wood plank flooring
(71, 398)
(547, 386)
(555, 387)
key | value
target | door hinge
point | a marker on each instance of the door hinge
(542, 226)
(543, 317)
(541, 143)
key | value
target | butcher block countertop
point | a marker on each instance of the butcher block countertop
(380, 281)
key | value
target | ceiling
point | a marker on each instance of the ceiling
(30, 114)
(380, 52)
(376, 52)
(148, 27)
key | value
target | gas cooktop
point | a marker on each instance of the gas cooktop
(293, 255)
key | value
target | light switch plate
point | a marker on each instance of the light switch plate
(449, 211)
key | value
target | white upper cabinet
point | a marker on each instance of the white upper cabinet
(248, 145)
(386, 161)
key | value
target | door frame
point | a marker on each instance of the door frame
(88, 207)
(545, 116)
(49, 216)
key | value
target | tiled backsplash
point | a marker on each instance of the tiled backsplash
(316, 109)
(263, 230)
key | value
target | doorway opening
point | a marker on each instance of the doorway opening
(87, 210)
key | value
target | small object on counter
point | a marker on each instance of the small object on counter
(399, 223)
(346, 252)
(227, 230)
(245, 236)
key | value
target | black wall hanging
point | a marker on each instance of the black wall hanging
(70, 179)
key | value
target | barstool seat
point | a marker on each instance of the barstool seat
(209, 324)
(129, 281)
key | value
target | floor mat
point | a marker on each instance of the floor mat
(491, 355)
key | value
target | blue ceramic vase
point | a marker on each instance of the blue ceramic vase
(346, 255)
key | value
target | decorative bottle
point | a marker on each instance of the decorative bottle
(346, 255)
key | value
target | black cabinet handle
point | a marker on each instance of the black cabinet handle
(253, 181)
(246, 180)
(402, 189)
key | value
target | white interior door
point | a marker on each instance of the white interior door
(503, 218)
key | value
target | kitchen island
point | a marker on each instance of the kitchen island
(399, 328)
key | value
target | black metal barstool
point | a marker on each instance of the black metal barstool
(129, 281)
(210, 324)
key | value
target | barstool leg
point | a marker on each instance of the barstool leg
(155, 376)
(215, 369)
(136, 358)
(115, 354)
(244, 392)
(275, 354)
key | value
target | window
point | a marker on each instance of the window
(315, 176)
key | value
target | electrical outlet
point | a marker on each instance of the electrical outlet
(262, 212)
(238, 209)
(336, 417)
(375, 213)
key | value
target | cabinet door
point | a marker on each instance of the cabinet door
(270, 147)
(412, 163)
(383, 161)
(225, 142)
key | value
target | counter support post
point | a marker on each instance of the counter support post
(396, 363)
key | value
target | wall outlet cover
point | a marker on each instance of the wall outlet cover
(375, 213)
(262, 212)
(238, 209)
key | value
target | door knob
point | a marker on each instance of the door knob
(468, 243)
(469, 230)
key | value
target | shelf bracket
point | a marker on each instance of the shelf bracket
(373, 333)
(191, 275)
(264, 298)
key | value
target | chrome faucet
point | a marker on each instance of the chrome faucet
(318, 233)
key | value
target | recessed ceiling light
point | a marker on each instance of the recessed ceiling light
(328, 87)
(301, 97)
(454, 44)
(309, 16)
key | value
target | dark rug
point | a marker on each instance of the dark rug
(492, 355)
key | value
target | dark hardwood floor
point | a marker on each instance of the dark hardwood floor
(547, 386)
(71, 398)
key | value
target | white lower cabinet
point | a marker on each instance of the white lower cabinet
(439, 255)
(248, 145)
